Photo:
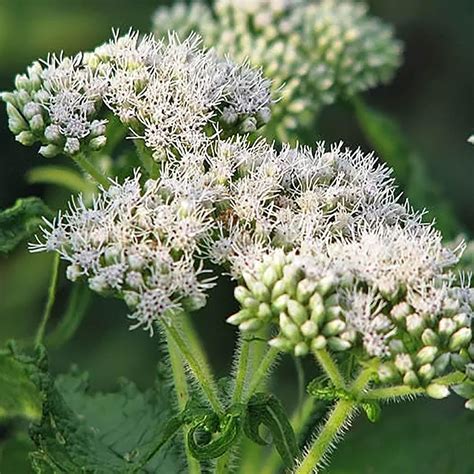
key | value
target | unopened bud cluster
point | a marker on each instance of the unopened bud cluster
(306, 309)
(315, 52)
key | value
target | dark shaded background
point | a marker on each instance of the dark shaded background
(432, 97)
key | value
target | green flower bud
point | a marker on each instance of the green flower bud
(37, 123)
(26, 138)
(260, 291)
(240, 317)
(8, 98)
(441, 363)
(446, 327)
(264, 311)
(270, 276)
(318, 343)
(98, 143)
(333, 312)
(396, 346)
(470, 404)
(333, 328)
(52, 133)
(338, 344)
(281, 344)
(400, 311)
(131, 298)
(49, 151)
(249, 125)
(429, 337)
(437, 391)
(326, 284)
(297, 312)
(241, 294)
(278, 289)
(462, 320)
(16, 122)
(309, 329)
(411, 379)
(387, 373)
(426, 355)
(280, 304)
(460, 338)
(305, 290)
(301, 349)
(289, 329)
(459, 361)
(415, 324)
(253, 324)
(403, 363)
(426, 373)
(250, 303)
(470, 351)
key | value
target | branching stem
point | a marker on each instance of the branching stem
(83, 163)
(329, 366)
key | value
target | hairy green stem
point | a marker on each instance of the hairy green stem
(83, 163)
(182, 395)
(329, 366)
(207, 384)
(336, 420)
(242, 369)
(53, 283)
(262, 371)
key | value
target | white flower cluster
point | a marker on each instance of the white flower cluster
(137, 242)
(315, 52)
(171, 94)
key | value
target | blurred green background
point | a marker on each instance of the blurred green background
(432, 97)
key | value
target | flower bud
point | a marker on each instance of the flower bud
(301, 349)
(426, 373)
(49, 151)
(470, 404)
(260, 291)
(309, 329)
(403, 363)
(396, 346)
(280, 304)
(437, 391)
(297, 312)
(462, 320)
(333, 328)
(459, 361)
(249, 325)
(98, 143)
(240, 317)
(278, 289)
(400, 311)
(460, 338)
(52, 133)
(429, 337)
(411, 379)
(16, 122)
(37, 123)
(326, 284)
(26, 138)
(270, 276)
(446, 327)
(281, 344)
(249, 125)
(72, 146)
(264, 312)
(318, 343)
(426, 355)
(73, 272)
(31, 109)
(338, 344)
(415, 324)
(441, 363)
(131, 299)
(387, 373)
(305, 290)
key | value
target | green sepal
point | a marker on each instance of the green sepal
(372, 410)
(265, 409)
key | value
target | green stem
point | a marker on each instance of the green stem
(262, 371)
(207, 384)
(401, 391)
(182, 395)
(83, 163)
(53, 283)
(329, 366)
(242, 369)
(338, 417)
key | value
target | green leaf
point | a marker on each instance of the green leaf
(60, 176)
(266, 409)
(122, 431)
(393, 147)
(19, 397)
(20, 221)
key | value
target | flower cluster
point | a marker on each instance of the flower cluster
(171, 94)
(315, 52)
(136, 242)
